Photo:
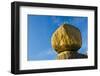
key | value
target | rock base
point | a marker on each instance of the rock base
(70, 55)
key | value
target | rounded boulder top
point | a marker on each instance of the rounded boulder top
(66, 38)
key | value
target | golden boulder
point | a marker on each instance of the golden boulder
(66, 41)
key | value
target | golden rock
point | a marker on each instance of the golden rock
(66, 38)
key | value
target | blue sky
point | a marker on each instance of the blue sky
(40, 30)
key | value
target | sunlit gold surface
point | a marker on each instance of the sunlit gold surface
(66, 37)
